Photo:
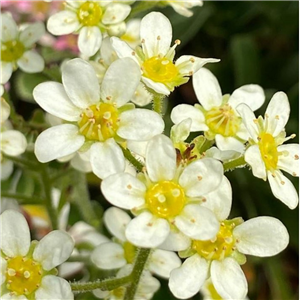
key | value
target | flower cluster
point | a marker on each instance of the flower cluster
(169, 202)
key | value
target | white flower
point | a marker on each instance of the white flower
(108, 55)
(183, 7)
(147, 286)
(91, 19)
(220, 258)
(98, 118)
(132, 33)
(167, 198)
(16, 47)
(217, 116)
(27, 268)
(266, 155)
(13, 142)
(155, 57)
(117, 254)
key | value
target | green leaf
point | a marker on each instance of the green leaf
(25, 83)
(245, 60)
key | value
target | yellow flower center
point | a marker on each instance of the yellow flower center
(159, 69)
(99, 122)
(165, 199)
(268, 150)
(89, 14)
(223, 120)
(12, 51)
(129, 252)
(23, 275)
(220, 247)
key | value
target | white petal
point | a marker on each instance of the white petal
(53, 287)
(184, 111)
(109, 256)
(58, 141)
(160, 159)
(207, 89)
(181, 131)
(261, 236)
(197, 222)
(123, 190)
(63, 22)
(6, 70)
(13, 142)
(31, 62)
(53, 249)
(220, 200)
(140, 124)
(51, 96)
(155, 26)
(141, 96)
(3, 266)
(116, 221)
(81, 83)
(248, 118)
(89, 40)
(107, 158)
(117, 86)
(147, 231)
(188, 64)
(254, 159)
(187, 280)
(176, 241)
(163, 262)
(15, 235)
(9, 28)
(32, 33)
(283, 189)
(229, 279)
(158, 87)
(251, 94)
(79, 163)
(7, 167)
(122, 49)
(289, 161)
(278, 112)
(10, 296)
(229, 143)
(115, 13)
(201, 177)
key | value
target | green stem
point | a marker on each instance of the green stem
(158, 103)
(105, 285)
(63, 173)
(22, 199)
(137, 271)
(235, 163)
(48, 200)
(23, 162)
(139, 166)
(141, 6)
(81, 198)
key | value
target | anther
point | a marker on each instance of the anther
(158, 38)
(277, 117)
(294, 174)
(133, 53)
(143, 41)
(25, 291)
(192, 59)
(282, 182)
(204, 199)
(129, 186)
(177, 42)
(199, 177)
(108, 98)
(222, 224)
(191, 73)
(150, 224)
(11, 272)
(296, 157)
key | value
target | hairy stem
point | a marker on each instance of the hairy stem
(138, 165)
(235, 163)
(137, 271)
(105, 285)
(158, 103)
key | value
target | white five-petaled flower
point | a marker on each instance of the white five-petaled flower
(91, 19)
(28, 269)
(166, 198)
(220, 257)
(13, 142)
(120, 252)
(266, 155)
(98, 118)
(217, 116)
(155, 56)
(16, 47)
(183, 7)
